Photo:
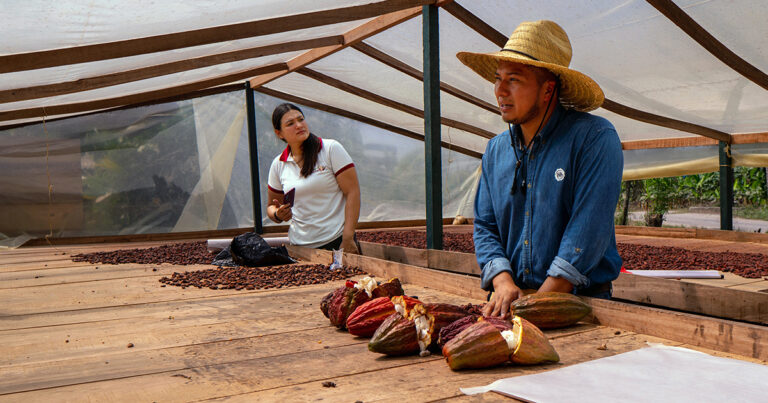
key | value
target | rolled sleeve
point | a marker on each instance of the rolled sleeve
(492, 269)
(561, 268)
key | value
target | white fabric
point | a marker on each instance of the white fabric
(319, 204)
(654, 374)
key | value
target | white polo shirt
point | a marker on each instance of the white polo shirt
(318, 207)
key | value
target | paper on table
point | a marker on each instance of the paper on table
(677, 273)
(652, 374)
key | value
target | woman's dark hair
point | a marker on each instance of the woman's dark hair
(310, 148)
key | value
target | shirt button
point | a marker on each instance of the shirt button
(527, 213)
(529, 186)
(531, 157)
(527, 271)
(526, 242)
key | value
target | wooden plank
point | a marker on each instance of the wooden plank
(412, 256)
(689, 297)
(142, 97)
(178, 40)
(87, 273)
(390, 61)
(456, 262)
(365, 94)
(695, 141)
(361, 118)
(122, 77)
(500, 40)
(657, 232)
(436, 382)
(716, 334)
(663, 121)
(709, 42)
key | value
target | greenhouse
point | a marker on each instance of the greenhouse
(133, 134)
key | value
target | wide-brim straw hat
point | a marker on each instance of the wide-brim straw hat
(543, 44)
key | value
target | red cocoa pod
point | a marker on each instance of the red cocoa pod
(480, 345)
(550, 310)
(369, 316)
(396, 336)
(391, 288)
(325, 302)
(530, 344)
(445, 314)
(343, 302)
(450, 331)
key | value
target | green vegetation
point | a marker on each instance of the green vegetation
(657, 196)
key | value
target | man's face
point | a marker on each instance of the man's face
(518, 92)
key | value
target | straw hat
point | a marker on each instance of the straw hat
(544, 44)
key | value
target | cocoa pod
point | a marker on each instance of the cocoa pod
(445, 314)
(479, 345)
(550, 310)
(396, 336)
(325, 302)
(528, 344)
(424, 323)
(449, 332)
(343, 302)
(390, 289)
(369, 316)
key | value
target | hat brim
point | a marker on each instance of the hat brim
(577, 90)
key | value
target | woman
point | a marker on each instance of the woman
(326, 204)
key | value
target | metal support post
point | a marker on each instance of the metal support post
(726, 187)
(253, 151)
(433, 177)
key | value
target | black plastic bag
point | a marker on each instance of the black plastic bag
(250, 249)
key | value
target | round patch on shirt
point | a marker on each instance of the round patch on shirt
(559, 174)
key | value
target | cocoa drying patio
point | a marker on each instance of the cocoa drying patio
(103, 332)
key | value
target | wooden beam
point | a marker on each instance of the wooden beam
(490, 33)
(390, 61)
(138, 98)
(657, 120)
(709, 42)
(697, 233)
(746, 138)
(122, 77)
(718, 334)
(178, 40)
(325, 79)
(351, 37)
(363, 119)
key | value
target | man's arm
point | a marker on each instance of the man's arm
(588, 233)
(496, 269)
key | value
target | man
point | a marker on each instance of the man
(550, 184)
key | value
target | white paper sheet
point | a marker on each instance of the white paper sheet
(654, 374)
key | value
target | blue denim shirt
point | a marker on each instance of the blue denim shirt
(562, 225)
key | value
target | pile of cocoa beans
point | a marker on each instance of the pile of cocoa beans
(251, 278)
(184, 253)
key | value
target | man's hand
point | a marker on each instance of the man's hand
(556, 284)
(504, 292)
(349, 245)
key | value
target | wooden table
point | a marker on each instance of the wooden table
(66, 328)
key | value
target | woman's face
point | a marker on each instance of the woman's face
(293, 128)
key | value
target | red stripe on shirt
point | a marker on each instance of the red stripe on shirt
(344, 168)
(274, 190)
(285, 154)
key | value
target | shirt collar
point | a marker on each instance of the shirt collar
(546, 132)
(287, 152)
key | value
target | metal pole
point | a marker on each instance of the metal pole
(433, 169)
(726, 187)
(253, 149)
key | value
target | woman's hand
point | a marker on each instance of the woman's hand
(283, 211)
(505, 291)
(349, 245)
